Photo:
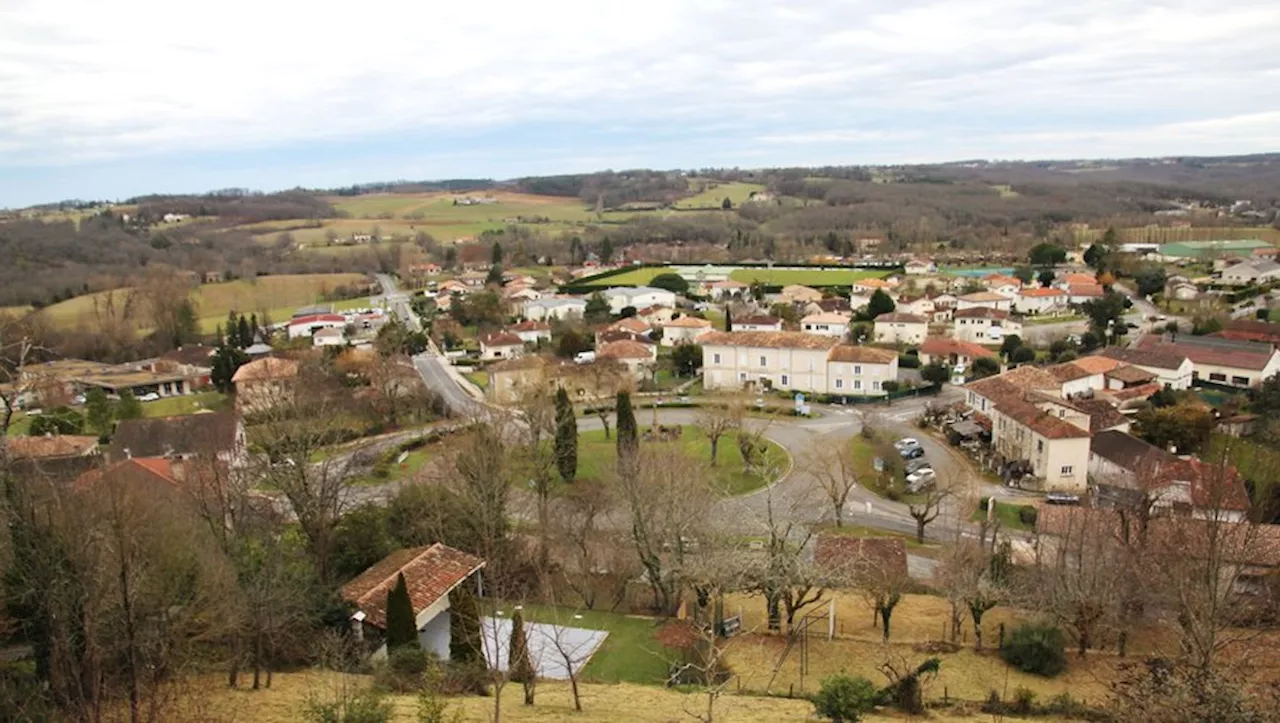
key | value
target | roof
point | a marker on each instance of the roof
(1041, 292)
(1069, 371)
(942, 345)
(133, 469)
(1036, 419)
(727, 284)
(1150, 467)
(192, 355)
(984, 296)
(980, 312)
(1078, 279)
(834, 304)
(1129, 374)
(826, 317)
(625, 350)
(799, 290)
(1102, 414)
(1092, 290)
(1250, 330)
(859, 555)
(329, 333)
(862, 354)
(530, 326)
(1001, 280)
(609, 335)
(317, 319)
(873, 284)
(769, 340)
(631, 323)
(1097, 364)
(1214, 351)
(901, 317)
(757, 321)
(192, 434)
(1158, 358)
(1241, 542)
(264, 369)
(48, 446)
(501, 338)
(688, 322)
(1023, 378)
(430, 573)
(522, 363)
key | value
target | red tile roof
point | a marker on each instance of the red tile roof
(900, 317)
(980, 312)
(130, 470)
(1091, 290)
(1042, 292)
(769, 340)
(264, 369)
(57, 445)
(945, 346)
(317, 319)
(430, 573)
(689, 322)
(502, 338)
(861, 354)
(983, 296)
(625, 350)
(530, 326)
(757, 321)
(1158, 358)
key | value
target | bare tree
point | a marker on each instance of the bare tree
(536, 410)
(1079, 584)
(607, 378)
(783, 574)
(927, 508)
(716, 420)
(21, 344)
(572, 651)
(578, 516)
(833, 467)
(972, 581)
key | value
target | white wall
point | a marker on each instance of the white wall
(894, 332)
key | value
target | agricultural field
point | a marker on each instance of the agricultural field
(713, 195)
(805, 277)
(276, 296)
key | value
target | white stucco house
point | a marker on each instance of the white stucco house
(1253, 271)
(757, 323)
(795, 361)
(984, 299)
(554, 307)
(308, 325)
(826, 324)
(983, 325)
(1037, 301)
(430, 573)
(685, 330)
(503, 345)
(901, 328)
(639, 297)
(531, 332)
(916, 267)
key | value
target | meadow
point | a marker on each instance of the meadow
(805, 277)
(713, 194)
(597, 456)
(276, 296)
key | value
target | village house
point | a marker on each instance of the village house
(1250, 330)
(501, 345)
(656, 315)
(557, 307)
(984, 299)
(637, 297)
(637, 357)
(530, 332)
(918, 267)
(510, 379)
(1039, 301)
(55, 382)
(833, 305)
(796, 294)
(795, 361)
(430, 573)
(950, 352)
(1171, 369)
(51, 446)
(762, 322)
(1220, 361)
(1000, 284)
(210, 436)
(726, 289)
(329, 337)
(826, 324)
(307, 325)
(685, 330)
(919, 305)
(1066, 281)
(1127, 473)
(264, 383)
(453, 286)
(901, 328)
(1253, 271)
(1184, 291)
(1080, 294)
(983, 325)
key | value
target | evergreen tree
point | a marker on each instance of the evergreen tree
(566, 446)
(253, 327)
(606, 250)
(464, 626)
(495, 275)
(880, 303)
(497, 254)
(187, 328)
(402, 627)
(518, 663)
(243, 333)
(97, 410)
(226, 360)
(233, 331)
(728, 319)
(128, 407)
(628, 438)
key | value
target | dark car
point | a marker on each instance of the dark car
(915, 465)
(913, 453)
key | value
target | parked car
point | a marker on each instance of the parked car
(906, 443)
(149, 397)
(912, 452)
(584, 357)
(921, 480)
(1062, 498)
(917, 464)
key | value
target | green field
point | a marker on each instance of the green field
(189, 404)
(805, 277)
(631, 653)
(276, 296)
(713, 195)
(597, 456)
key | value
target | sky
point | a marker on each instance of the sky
(106, 100)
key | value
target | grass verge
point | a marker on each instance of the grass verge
(597, 456)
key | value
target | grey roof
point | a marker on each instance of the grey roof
(193, 434)
(630, 291)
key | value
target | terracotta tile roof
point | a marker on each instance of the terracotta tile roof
(56, 445)
(873, 284)
(1102, 414)
(1036, 419)
(430, 573)
(1249, 330)
(826, 317)
(639, 326)
(1068, 372)
(861, 354)
(604, 337)
(980, 312)
(1139, 392)
(1129, 374)
(1001, 280)
(1217, 352)
(530, 326)
(836, 304)
(900, 317)
(1040, 293)
(757, 321)
(1090, 290)
(1149, 468)
(317, 319)
(501, 338)
(769, 340)
(1158, 358)
(984, 296)
(688, 322)
(943, 346)
(135, 469)
(1024, 378)
(523, 363)
(265, 369)
(625, 350)
(193, 434)
(1097, 364)
(855, 556)
(1076, 279)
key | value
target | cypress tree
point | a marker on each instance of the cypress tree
(628, 440)
(233, 331)
(728, 319)
(518, 664)
(566, 447)
(243, 331)
(464, 626)
(402, 628)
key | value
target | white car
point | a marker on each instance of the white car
(151, 397)
(920, 479)
(906, 443)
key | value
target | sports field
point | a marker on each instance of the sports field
(805, 277)
(277, 296)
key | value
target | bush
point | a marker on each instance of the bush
(984, 503)
(1024, 701)
(844, 699)
(366, 706)
(906, 361)
(405, 670)
(1036, 648)
(1027, 515)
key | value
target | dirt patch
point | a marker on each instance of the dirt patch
(677, 635)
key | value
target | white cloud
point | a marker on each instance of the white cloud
(86, 80)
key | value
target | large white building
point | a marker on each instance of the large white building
(638, 297)
(549, 307)
(901, 328)
(982, 325)
(795, 361)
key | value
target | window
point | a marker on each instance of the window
(875, 386)
(857, 384)
(1066, 470)
(742, 376)
(784, 380)
(1240, 381)
(1215, 377)
(1040, 445)
(764, 361)
(857, 371)
(839, 384)
(715, 358)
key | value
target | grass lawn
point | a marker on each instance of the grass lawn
(805, 277)
(18, 311)
(714, 193)
(189, 404)
(634, 277)
(887, 482)
(1064, 319)
(20, 423)
(597, 455)
(395, 471)
(480, 379)
(631, 653)
(1255, 462)
(1008, 515)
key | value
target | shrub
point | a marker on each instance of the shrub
(1036, 648)
(984, 503)
(844, 699)
(906, 361)
(366, 706)
(405, 670)
(1027, 515)
(1024, 701)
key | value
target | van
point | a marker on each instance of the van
(584, 357)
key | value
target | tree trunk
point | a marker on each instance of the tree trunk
(957, 619)
(604, 420)
(977, 633)
(920, 523)
(715, 447)
(884, 618)
(773, 602)
(257, 660)
(233, 673)
(573, 685)
(528, 691)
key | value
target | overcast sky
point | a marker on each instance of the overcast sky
(111, 99)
